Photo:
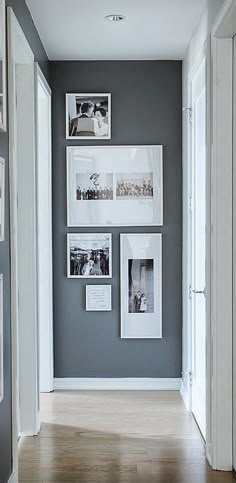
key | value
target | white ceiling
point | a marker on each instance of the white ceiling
(153, 29)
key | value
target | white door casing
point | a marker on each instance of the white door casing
(23, 233)
(220, 367)
(44, 230)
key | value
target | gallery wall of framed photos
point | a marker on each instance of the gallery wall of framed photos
(117, 187)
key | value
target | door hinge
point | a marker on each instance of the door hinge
(189, 110)
(190, 292)
(190, 378)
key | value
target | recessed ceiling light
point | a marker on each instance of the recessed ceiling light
(115, 18)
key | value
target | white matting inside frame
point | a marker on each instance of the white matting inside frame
(141, 286)
(133, 175)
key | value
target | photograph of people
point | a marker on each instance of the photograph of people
(89, 255)
(94, 186)
(134, 186)
(141, 286)
(88, 116)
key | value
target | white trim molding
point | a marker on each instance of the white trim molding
(219, 386)
(185, 395)
(12, 478)
(117, 384)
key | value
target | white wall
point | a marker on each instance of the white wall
(200, 42)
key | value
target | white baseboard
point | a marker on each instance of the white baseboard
(185, 395)
(12, 478)
(117, 384)
(209, 453)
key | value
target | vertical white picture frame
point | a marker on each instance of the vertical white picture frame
(141, 285)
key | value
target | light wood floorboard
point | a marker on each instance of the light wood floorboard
(116, 437)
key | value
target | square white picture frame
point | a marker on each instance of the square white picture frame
(141, 285)
(88, 123)
(89, 255)
(95, 170)
(98, 298)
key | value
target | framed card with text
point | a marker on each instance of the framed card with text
(98, 298)
(141, 286)
(115, 186)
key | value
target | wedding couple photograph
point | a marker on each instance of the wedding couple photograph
(88, 116)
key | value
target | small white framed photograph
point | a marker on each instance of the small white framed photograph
(3, 102)
(2, 198)
(114, 186)
(1, 340)
(98, 298)
(88, 116)
(141, 286)
(89, 255)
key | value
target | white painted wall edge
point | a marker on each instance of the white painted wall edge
(12, 478)
(184, 394)
(118, 384)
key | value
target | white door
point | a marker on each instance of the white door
(198, 89)
(44, 230)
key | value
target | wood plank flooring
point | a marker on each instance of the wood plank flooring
(116, 437)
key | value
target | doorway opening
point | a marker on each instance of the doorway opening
(31, 234)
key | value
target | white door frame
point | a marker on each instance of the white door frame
(219, 367)
(44, 241)
(19, 53)
(219, 249)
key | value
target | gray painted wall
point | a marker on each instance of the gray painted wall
(25, 20)
(146, 109)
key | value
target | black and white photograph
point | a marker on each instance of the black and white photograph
(94, 186)
(89, 255)
(114, 186)
(88, 116)
(141, 279)
(2, 197)
(134, 185)
(141, 286)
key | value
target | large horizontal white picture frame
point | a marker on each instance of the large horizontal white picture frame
(88, 116)
(114, 186)
(1, 340)
(141, 285)
(2, 198)
(89, 255)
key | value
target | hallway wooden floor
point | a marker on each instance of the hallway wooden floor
(116, 437)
